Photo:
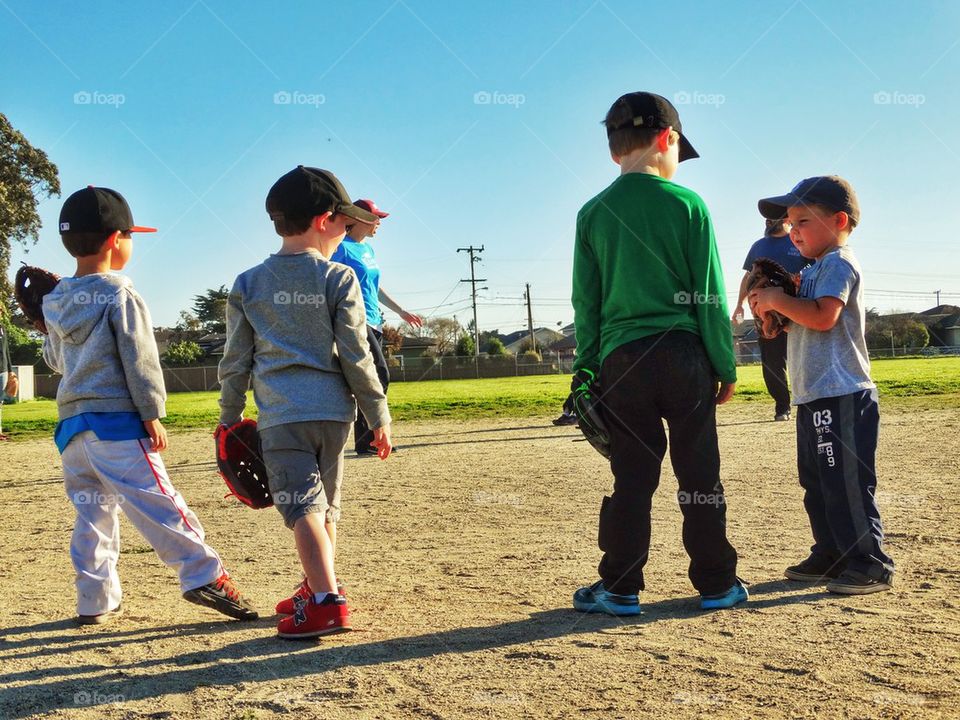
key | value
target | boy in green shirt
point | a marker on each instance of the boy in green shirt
(651, 321)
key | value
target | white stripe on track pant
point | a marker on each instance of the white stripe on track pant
(104, 476)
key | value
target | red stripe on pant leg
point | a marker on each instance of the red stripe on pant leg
(173, 500)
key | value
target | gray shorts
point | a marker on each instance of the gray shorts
(305, 467)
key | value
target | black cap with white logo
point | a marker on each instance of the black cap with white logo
(97, 210)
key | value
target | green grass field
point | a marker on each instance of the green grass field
(510, 397)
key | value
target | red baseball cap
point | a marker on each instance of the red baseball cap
(370, 206)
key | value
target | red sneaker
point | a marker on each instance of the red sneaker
(303, 591)
(312, 619)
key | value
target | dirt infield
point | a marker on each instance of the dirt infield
(460, 555)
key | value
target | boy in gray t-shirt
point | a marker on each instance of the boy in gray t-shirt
(838, 417)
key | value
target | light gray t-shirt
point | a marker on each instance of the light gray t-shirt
(834, 362)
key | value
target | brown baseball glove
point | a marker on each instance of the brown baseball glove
(240, 463)
(30, 286)
(769, 273)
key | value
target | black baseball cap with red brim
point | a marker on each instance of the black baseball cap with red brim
(97, 210)
(651, 111)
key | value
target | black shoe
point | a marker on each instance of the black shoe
(814, 569)
(852, 582)
(566, 420)
(223, 596)
(364, 452)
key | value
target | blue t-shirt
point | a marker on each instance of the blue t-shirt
(362, 259)
(834, 362)
(779, 249)
(105, 425)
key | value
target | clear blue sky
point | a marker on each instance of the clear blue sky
(385, 94)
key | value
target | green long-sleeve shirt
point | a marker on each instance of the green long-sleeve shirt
(645, 261)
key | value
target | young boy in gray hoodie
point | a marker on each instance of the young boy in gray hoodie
(296, 327)
(109, 403)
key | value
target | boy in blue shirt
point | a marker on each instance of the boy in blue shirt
(357, 254)
(776, 245)
(838, 417)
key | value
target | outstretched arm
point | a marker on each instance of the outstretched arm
(411, 318)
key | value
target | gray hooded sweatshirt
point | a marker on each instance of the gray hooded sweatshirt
(296, 326)
(101, 340)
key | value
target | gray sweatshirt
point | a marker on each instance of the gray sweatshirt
(296, 324)
(101, 340)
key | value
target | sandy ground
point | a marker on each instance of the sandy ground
(460, 555)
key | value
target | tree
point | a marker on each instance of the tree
(496, 347)
(900, 330)
(182, 353)
(465, 346)
(25, 173)
(392, 340)
(210, 309)
(25, 349)
(444, 331)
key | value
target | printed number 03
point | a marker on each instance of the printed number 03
(822, 417)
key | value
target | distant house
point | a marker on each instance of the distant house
(414, 347)
(746, 346)
(943, 324)
(212, 344)
(516, 341)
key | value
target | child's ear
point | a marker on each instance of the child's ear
(113, 242)
(615, 157)
(320, 221)
(842, 220)
(663, 139)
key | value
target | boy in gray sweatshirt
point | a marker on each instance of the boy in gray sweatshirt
(109, 403)
(296, 327)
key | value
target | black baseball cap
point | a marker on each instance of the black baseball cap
(650, 110)
(97, 210)
(830, 191)
(308, 191)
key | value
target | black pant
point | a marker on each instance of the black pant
(773, 358)
(362, 435)
(836, 451)
(666, 376)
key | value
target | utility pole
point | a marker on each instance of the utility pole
(938, 297)
(533, 338)
(474, 253)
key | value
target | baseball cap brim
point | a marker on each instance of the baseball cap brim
(352, 211)
(775, 208)
(686, 150)
(141, 228)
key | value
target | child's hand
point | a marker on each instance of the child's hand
(764, 300)
(725, 392)
(381, 441)
(157, 433)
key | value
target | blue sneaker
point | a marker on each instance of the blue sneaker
(597, 599)
(737, 594)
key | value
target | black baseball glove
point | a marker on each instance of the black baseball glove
(589, 408)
